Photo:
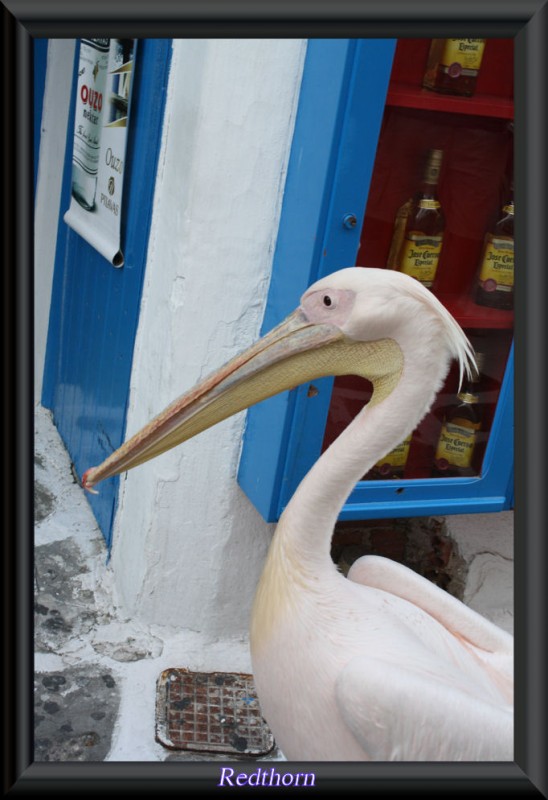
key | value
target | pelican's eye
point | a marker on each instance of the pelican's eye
(328, 305)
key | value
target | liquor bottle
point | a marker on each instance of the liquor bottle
(496, 272)
(88, 123)
(392, 466)
(459, 432)
(453, 66)
(421, 247)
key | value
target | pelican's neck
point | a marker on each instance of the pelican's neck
(306, 526)
(299, 563)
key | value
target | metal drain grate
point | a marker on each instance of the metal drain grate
(214, 712)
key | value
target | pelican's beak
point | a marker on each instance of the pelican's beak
(292, 353)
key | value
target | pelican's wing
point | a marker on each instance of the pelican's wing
(382, 573)
(398, 714)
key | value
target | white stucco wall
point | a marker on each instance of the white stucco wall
(55, 111)
(188, 546)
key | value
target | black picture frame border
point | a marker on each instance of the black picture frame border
(527, 22)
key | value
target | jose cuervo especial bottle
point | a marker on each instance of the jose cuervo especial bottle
(421, 247)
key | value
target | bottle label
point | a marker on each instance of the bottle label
(429, 204)
(497, 265)
(420, 255)
(396, 457)
(462, 56)
(456, 445)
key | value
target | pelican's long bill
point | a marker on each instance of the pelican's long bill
(292, 353)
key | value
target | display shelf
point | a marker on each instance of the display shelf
(405, 96)
(477, 140)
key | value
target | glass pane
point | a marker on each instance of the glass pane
(440, 208)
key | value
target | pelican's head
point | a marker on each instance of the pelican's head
(377, 304)
(355, 321)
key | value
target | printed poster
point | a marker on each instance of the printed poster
(103, 101)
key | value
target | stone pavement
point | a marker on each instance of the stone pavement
(96, 669)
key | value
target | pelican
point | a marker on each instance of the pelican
(382, 665)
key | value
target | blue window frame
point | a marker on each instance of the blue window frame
(341, 107)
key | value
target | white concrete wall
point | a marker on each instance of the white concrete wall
(486, 542)
(55, 111)
(188, 546)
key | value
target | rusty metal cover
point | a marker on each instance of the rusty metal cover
(210, 712)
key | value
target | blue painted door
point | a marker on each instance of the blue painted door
(95, 307)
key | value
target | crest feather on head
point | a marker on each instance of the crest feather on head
(457, 341)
